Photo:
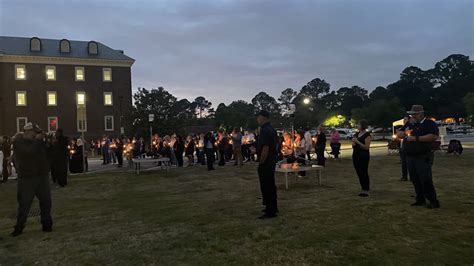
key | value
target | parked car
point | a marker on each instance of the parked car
(345, 133)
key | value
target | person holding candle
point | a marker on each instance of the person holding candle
(308, 143)
(209, 146)
(237, 147)
(179, 150)
(418, 147)
(361, 156)
(189, 150)
(221, 145)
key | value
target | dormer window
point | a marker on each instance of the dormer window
(35, 44)
(93, 48)
(64, 46)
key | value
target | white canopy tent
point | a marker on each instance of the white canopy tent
(397, 123)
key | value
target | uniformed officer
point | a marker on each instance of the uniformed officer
(32, 167)
(418, 148)
(267, 151)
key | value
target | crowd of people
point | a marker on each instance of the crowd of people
(36, 155)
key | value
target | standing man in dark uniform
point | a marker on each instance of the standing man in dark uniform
(418, 147)
(32, 166)
(267, 150)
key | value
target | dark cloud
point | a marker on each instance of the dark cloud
(228, 50)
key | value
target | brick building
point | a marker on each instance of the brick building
(78, 86)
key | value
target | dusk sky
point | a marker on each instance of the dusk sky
(227, 50)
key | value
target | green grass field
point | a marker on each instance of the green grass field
(190, 216)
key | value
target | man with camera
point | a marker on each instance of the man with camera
(31, 163)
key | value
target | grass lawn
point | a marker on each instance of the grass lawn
(190, 216)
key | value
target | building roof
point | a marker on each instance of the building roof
(50, 48)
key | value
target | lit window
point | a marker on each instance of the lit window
(81, 98)
(21, 98)
(52, 123)
(50, 73)
(109, 123)
(51, 98)
(20, 123)
(107, 74)
(108, 99)
(20, 72)
(80, 74)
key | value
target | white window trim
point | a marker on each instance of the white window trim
(57, 123)
(85, 126)
(18, 129)
(111, 98)
(105, 123)
(83, 73)
(55, 98)
(46, 72)
(16, 98)
(18, 66)
(85, 98)
(103, 76)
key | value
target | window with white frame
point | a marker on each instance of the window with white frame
(81, 125)
(21, 98)
(106, 74)
(80, 74)
(109, 122)
(50, 72)
(80, 98)
(51, 98)
(20, 123)
(52, 123)
(108, 99)
(20, 72)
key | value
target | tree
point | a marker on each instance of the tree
(332, 101)
(353, 97)
(379, 93)
(237, 114)
(315, 89)
(201, 106)
(158, 102)
(380, 112)
(286, 98)
(181, 110)
(263, 101)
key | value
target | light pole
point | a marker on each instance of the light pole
(151, 117)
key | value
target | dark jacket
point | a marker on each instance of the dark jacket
(30, 158)
(321, 141)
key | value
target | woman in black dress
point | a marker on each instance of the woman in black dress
(361, 156)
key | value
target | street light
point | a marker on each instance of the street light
(306, 101)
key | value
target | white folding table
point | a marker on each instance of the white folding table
(289, 168)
